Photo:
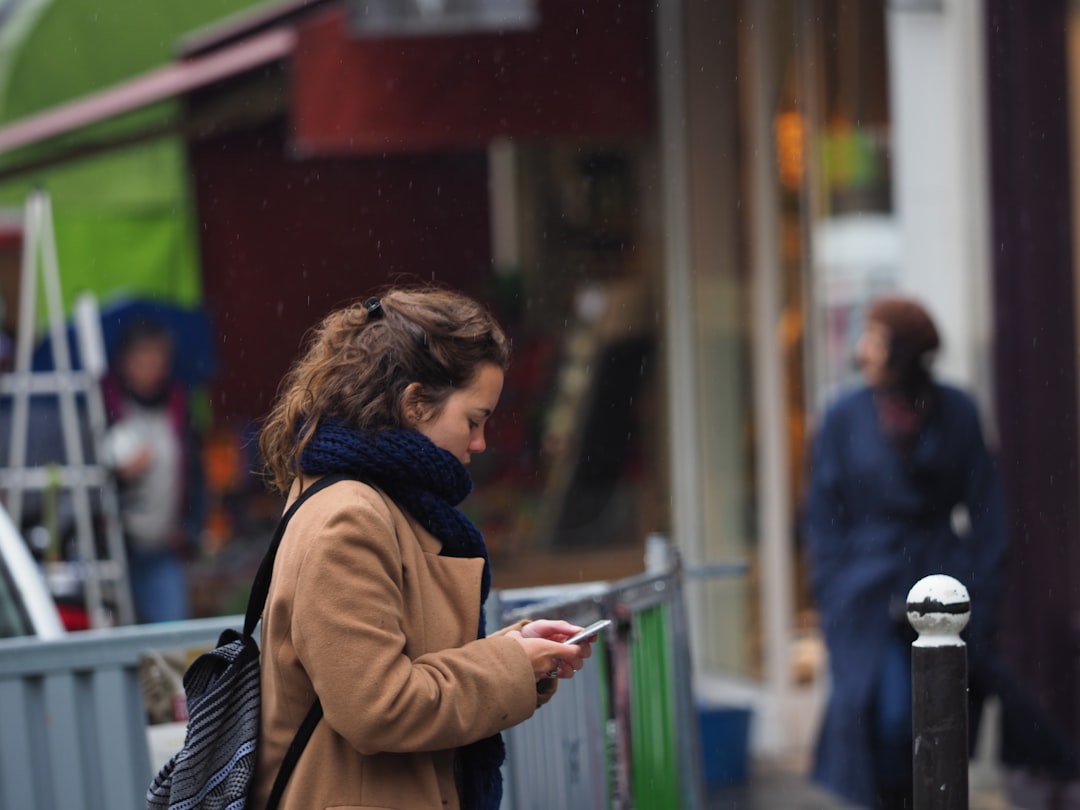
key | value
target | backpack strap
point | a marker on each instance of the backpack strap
(256, 602)
(296, 747)
(261, 586)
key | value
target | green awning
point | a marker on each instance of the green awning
(124, 219)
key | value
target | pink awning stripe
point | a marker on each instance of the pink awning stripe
(157, 85)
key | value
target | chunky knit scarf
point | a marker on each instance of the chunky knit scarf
(428, 483)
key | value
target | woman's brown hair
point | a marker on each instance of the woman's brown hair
(360, 359)
(913, 337)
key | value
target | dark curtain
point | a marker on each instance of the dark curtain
(1035, 344)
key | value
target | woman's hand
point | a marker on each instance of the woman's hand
(550, 658)
(555, 629)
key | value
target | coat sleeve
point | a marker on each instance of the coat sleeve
(348, 630)
(825, 513)
(986, 546)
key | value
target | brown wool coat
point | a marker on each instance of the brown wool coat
(364, 612)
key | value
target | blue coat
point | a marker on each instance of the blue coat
(875, 525)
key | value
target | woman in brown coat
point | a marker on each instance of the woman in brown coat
(375, 603)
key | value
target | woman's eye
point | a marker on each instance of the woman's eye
(473, 425)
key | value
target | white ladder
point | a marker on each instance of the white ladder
(104, 578)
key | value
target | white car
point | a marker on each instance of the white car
(26, 607)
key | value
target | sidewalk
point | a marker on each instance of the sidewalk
(781, 782)
(774, 788)
(771, 788)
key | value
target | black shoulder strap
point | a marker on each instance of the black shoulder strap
(261, 586)
(256, 602)
(296, 747)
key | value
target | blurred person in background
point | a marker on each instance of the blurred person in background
(151, 448)
(901, 486)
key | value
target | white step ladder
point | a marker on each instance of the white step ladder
(101, 566)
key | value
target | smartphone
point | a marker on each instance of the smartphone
(588, 632)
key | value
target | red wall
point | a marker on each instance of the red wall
(585, 71)
(284, 241)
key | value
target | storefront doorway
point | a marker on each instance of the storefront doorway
(789, 232)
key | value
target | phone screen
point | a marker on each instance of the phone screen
(589, 631)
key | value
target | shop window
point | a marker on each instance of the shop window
(568, 488)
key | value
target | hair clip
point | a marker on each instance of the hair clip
(374, 308)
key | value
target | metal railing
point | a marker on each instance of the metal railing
(74, 732)
(622, 733)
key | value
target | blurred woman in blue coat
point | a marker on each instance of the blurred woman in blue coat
(901, 486)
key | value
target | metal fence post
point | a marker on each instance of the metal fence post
(938, 608)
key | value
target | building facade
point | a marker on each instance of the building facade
(679, 210)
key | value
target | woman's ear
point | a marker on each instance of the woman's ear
(413, 411)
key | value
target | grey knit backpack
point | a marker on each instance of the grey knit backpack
(214, 769)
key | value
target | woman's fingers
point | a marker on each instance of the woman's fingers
(551, 659)
(554, 629)
(559, 630)
(573, 662)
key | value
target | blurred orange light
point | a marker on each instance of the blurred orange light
(789, 148)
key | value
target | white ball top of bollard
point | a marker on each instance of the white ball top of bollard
(938, 607)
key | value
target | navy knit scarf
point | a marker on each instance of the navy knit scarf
(428, 483)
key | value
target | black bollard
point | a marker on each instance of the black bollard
(938, 608)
